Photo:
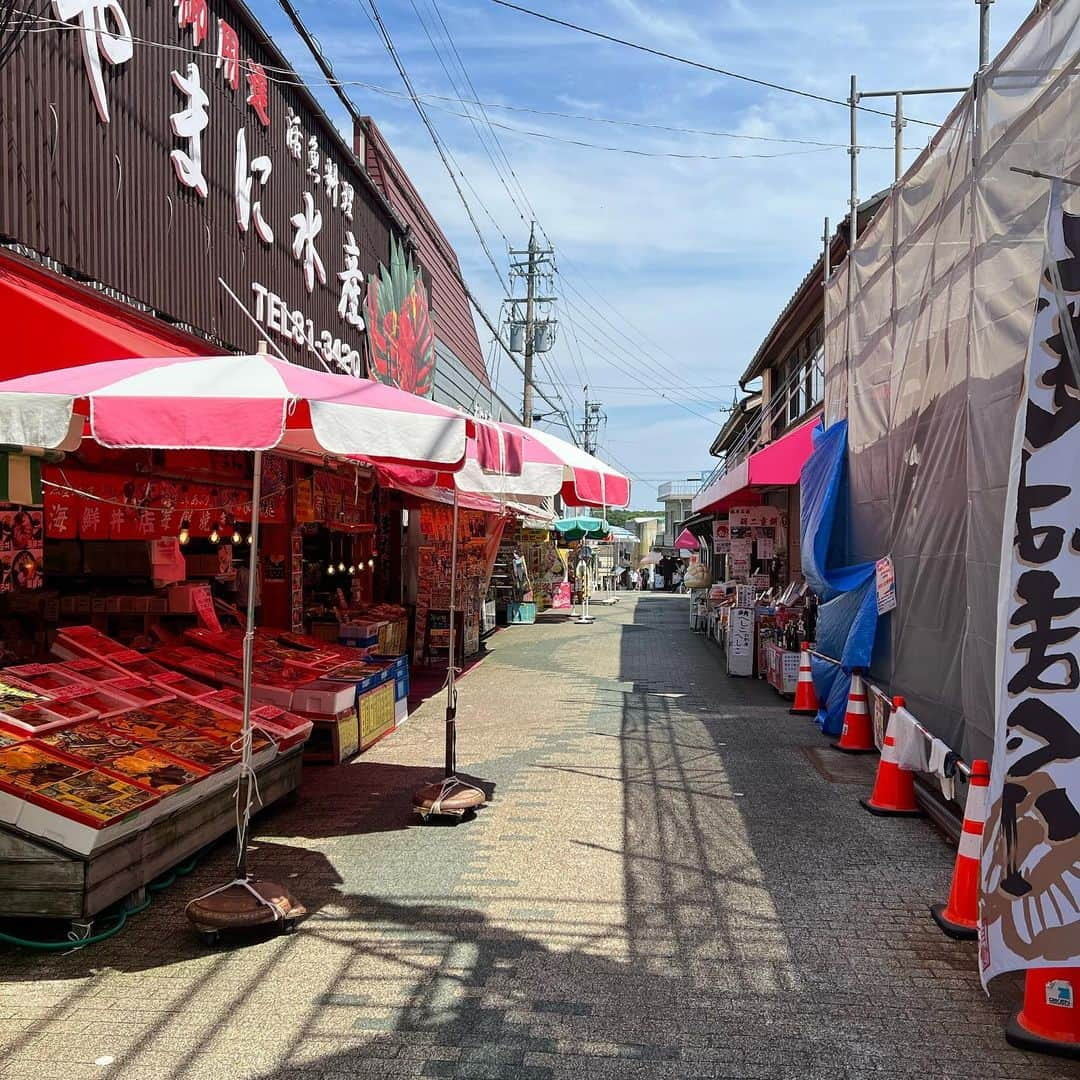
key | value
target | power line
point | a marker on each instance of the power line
(291, 79)
(701, 65)
(390, 48)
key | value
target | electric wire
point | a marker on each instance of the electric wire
(417, 104)
(453, 85)
(288, 78)
(700, 64)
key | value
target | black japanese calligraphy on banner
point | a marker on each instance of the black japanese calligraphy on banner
(1030, 899)
(153, 147)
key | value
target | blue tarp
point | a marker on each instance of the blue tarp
(847, 618)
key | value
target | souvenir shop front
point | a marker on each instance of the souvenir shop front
(758, 607)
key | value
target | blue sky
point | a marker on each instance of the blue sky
(672, 270)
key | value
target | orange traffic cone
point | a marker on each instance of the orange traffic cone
(858, 734)
(959, 918)
(1049, 1022)
(894, 787)
(806, 702)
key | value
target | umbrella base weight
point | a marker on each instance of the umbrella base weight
(244, 905)
(447, 798)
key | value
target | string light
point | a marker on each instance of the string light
(352, 570)
(215, 536)
(185, 532)
(331, 570)
(371, 564)
(236, 537)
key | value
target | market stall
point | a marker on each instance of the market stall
(143, 697)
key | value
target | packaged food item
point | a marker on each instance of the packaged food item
(155, 769)
(94, 798)
(90, 741)
(26, 766)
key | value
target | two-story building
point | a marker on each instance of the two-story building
(676, 497)
(768, 434)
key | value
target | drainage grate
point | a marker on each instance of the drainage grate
(840, 768)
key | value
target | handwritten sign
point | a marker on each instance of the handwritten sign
(740, 642)
(204, 608)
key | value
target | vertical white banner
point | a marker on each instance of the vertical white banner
(1030, 895)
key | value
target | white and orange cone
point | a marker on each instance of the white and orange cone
(894, 787)
(858, 734)
(806, 702)
(960, 916)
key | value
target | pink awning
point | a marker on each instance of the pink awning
(686, 539)
(778, 464)
(781, 462)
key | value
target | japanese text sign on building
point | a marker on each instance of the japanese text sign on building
(1030, 895)
(179, 148)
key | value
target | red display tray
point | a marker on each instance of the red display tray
(92, 670)
(144, 693)
(184, 686)
(43, 678)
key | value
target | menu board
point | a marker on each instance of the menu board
(740, 642)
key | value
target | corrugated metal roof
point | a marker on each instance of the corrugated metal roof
(449, 305)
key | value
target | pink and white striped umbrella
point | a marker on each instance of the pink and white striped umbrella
(537, 463)
(231, 403)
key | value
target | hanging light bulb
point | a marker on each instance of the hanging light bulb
(371, 564)
(330, 570)
(341, 567)
(215, 536)
(249, 538)
(236, 537)
(352, 570)
(185, 532)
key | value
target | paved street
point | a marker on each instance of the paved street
(666, 884)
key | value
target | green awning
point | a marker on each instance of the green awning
(583, 528)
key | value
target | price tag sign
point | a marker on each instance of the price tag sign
(204, 608)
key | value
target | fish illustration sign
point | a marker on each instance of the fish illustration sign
(1030, 896)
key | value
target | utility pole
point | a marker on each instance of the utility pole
(590, 426)
(536, 262)
(530, 330)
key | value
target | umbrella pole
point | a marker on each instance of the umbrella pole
(451, 796)
(245, 903)
(246, 776)
(451, 689)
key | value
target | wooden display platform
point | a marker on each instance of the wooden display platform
(40, 879)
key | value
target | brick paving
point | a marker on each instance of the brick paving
(665, 885)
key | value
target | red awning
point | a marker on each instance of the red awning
(51, 322)
(780, 463)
